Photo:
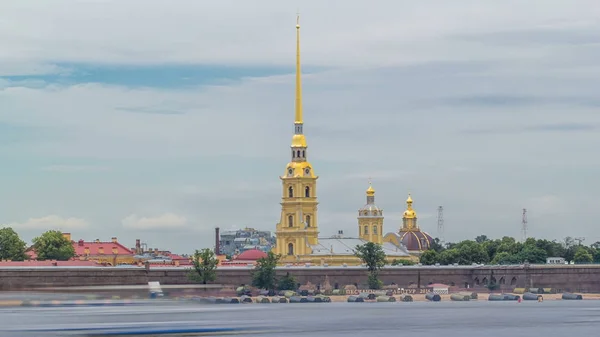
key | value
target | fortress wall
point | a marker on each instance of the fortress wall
(565, 278)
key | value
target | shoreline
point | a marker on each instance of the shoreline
(480, 297)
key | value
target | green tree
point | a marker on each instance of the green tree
(503, 258)
(583, 256)
(11, 245)
(373, 256)
(397, 262)
(436, 245)
(264, 276)
(429, 257)
(288, 282)
(471, 252)
(52, 245)
(532, 254)
(205, 266)
(481, 239)
(449, 256)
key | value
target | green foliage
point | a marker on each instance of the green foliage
(508, 251)
(583, 256)
(11, 245)
(397, 262)
(52, 245)
(205, 266)
(374, 282)
(429, 257)
(263, 275)
(373, 256)
(288, 282)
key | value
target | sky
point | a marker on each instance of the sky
(160, 121)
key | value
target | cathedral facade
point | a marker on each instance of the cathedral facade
(297, 232)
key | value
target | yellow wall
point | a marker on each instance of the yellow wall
(301, 209)
(372, 225)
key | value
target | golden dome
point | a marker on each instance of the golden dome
(409, 200)
(298, 141)
(409, 213)
(370, 190)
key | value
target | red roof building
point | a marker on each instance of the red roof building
(251, 255)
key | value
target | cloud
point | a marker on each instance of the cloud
(74, 168)
(166, 221)
(51, 222)
(196, 118)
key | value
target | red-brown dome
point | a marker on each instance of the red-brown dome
(415, 240)
(251, 255)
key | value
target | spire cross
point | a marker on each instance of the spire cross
(369, 180)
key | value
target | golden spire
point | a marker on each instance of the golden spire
(409, 202)
(298, 75)
(370, 190)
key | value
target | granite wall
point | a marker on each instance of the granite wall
(566, 278)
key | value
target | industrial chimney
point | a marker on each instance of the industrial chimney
(217, 241)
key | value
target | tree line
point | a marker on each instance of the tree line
(509, 251)
(50, 245)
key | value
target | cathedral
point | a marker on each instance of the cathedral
(297, 233)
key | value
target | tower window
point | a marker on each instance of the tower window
(290, 249)
(307, 192)
(290, 192)
(298, 153)
(291, 221)
(374, 229)
(366, 230)
(303, 154)
(308, 220)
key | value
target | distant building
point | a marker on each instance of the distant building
(238, 241)
(110, 253)
(555, 260)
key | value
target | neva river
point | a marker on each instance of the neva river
(448, 319)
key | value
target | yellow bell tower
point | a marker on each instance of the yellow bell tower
(370, 219)
(409, 218)
(298, 228)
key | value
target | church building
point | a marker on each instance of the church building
(297, 233)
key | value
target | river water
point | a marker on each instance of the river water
(449, 319)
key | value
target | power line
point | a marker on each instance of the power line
(441, 223)
(524, 224)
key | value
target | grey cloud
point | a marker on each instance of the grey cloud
(507, 101)
(543, 36)
(151, 110)
(517, 129)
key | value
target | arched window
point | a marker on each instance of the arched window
(366, 230)
(290, 249)
(290, 192)
(308, 221)
(298, 154)
(291, 221)
(374, 229)
(303, 154)
(307, 192)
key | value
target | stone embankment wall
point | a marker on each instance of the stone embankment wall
(564, 278)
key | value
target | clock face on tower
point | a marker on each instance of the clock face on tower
(307, 171)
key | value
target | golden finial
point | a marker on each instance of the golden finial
(409, 200)
(370, 190)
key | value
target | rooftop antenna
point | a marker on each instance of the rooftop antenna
(579, 240)
(524, 224)
(440, 221)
